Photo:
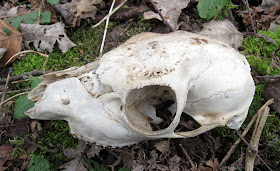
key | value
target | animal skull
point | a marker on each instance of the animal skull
(111, 102)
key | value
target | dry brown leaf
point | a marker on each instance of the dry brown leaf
(5, 153)
(93, 151)
(11, 42)
(77, 164)
(162, 146)
(223, 31)
(272, 90)
(73, 153)
(171, 11)
(83, 9)
(174, 163)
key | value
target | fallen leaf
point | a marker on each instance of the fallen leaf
(77, 164)
(83, 9)
(223, 31)
(5, 153)
(268, 39)
(44, 37)
(74, 153)
(93, 151)
(272, 90)
(162, 146)
(64, 10)
(211, 165)
(174, 163)
(171, 10)
(10, 39)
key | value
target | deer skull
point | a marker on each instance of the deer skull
(111, 102)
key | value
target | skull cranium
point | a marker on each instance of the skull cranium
(111, 102)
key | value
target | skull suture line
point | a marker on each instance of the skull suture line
(111, 102)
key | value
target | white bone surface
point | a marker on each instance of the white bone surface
(111, 102)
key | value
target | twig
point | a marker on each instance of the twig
(35, 72)
(82, 155)
(5, 89)
(41, 147)
(31, 51)
(269, 77)
(109, 14)
(13, 97)
(233, 147)
(250, 157)
(252, 23)
(116, 162)
(188, 157)
(106, 27)
(16, 91)
(240, 136)
(161, 16)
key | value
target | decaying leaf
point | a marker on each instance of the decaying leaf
(93, 151)
(64, 10)
(171, 11)
(77, 164)
(272, 90)
(173, 163)
(224, 31)
(275, 25)
(5, 153)
(10, 39)
(212, 164)
(73, 153)
(44, 37)
(83, 9)
(162, 146)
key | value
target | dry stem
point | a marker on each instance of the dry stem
(233, 147)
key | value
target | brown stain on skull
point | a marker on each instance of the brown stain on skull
(197, 41)
(65, 101)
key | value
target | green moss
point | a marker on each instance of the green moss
(139, 27)
(56, 135)
(86, 51)
(259, 46)
(262, 65)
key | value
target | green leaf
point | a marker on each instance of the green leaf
(53, 2)
(7, 31)
(45, 18)
(30, 18)
(209, 8)
(38, 163)
(35, 82)
(22, 104)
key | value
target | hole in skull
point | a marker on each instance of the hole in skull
(163, 112)
(187, 123)
(147, 108)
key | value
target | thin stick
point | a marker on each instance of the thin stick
(30, 51)
(233, 147)
(252, 23)
(105, 31)
(109, 14)
(41, 147)
(13, 97)
(250, 157)
(16, 91)
(188, 157)
(252, 148)
(5, 89)
(34, 73)
(161, 16)
(269, 77)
